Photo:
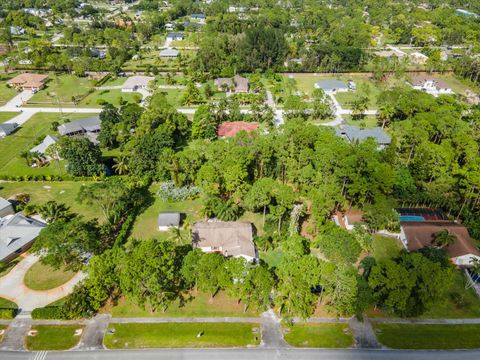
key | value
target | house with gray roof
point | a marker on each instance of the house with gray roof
(175, 36)
(6, 208)
(332, 86)
(7, 129)
(80, 127)
(42, 147)
(169, 53)
(17, 233)
(168, 220)
(356, 134)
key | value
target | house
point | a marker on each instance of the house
(170, 26)
(416, 235)
(430, 85)
(168, 220)
(199, 17)
(80, 127)
(331, 86)
(232, 128)
(17, 233)
(17, 30)
(237, 84)
(7, 129)
(349, 219)
(418, 58)
(175, 36)
(6, 208)
(169, 54)
(356, 134)
(28, 81)
(188, 24)
(43, 146)
(134, 83)
(230, 238)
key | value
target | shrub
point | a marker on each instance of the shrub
(101, 101)
(169, 192)
(29, 209)
(48, 312)
(8, 313)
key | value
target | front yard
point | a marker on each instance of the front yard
(53, 337)
(319, 335)
(43, 277)
(176, 335)
(4, 116)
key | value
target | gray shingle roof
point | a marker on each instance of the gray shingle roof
(47, 141)
(354, 133)
(169, 53)
(84, 125)
(169, 219)
(4, 203)
(330, 85)
(7, 128)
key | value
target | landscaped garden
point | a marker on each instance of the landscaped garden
(43, 277)
(407, 336)
(174, 335)
(53, 337)
(319, 335)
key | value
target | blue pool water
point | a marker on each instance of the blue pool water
(411, 218)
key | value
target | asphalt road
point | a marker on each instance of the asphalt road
(246, 354)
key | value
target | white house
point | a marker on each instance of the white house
(134, 83)
(175, 36)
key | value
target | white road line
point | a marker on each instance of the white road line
(40, 355)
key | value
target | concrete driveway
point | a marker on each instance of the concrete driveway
(13, 288)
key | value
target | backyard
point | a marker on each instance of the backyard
(53, 337)
(385, 247)
(319, 335)
(174, 335)
(43, 277)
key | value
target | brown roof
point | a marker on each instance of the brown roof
(420, 234)
(231, 238)
(240, 83)
(419, 80)
(230, 129)
(28, 80)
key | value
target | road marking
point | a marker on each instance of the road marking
(41, 355)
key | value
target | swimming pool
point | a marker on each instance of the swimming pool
(411, 218)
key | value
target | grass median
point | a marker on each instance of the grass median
(53, 337)
(319, 335)
(178, 335)
(415, 336)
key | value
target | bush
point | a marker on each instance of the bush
(48, 313)
(101, 101)
(8, 313)
(169, 192)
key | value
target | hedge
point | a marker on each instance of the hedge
(48, 312)
(7, 313)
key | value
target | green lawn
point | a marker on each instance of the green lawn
(403, 336)
(24, 139)
(174, 96)
(44, 277)
(6, 93)
(61, 89)
(6, 268)
(62, 192)
(385, 247)
(319, 335)
(368, 121)
(7, 304)
(199, 306)
(4, 116)
(111, 96)
(53, 337)
(175, 335)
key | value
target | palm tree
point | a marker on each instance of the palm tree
(121, 165)
(53, 211)
(385, 114)
(27, 156)
(443, 238)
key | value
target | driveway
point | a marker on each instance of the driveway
(12, 287)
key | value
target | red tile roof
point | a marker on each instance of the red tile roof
(230, 129)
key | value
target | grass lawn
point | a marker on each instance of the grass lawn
(44, 277)
(53, 337)
(110, 96)
(4, 116)
(385, 247)
(7, 304)
(24, 139)
(319, 335)
(131, 336)
(41, 192)
(61, 89)
(199, 306)
(368, 121)
(272, 257)
(406, 336)
(6, 93)
(174, 96)
(8, 267)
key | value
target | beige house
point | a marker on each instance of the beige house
(237, 84)
(28, 81)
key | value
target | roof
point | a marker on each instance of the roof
(230, 129)
(419, 80)
(232, 238)
(198, 16)
(241, 83)
(420, 234)
(4, 203)
(17, 231)
(175, 35)
(83, 125)
(47, 141)
(169, 53)
(330, 85)
(137, 81)
(7, 128)
(28, 80)
(169, 219)
(354, 133)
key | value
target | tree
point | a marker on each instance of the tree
(209, 273)
(443, 238)
(257, 288)
(322, 105)
(338, 245)
(191, 95)
(67, 243)
(121, 165)
(84, 158)
(109, 117)
(189, 268)
(204, 124)
(52, 211)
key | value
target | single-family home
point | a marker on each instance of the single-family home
(430, 84)
(28, 82)
(332, 86)
(349, 219)
(169, 53)
(17, 233)
(43, 146)
(135, 83)
(170, 26)
(199, 17)
(17, 30)
(356, 134)
(196, 25)
(80, 127)
(168, 220)
(416, 235)
(6, 208)
(231, 128)
(237, 84)
(390, 54)
(175, 36)
(229, 238)
(7, 129)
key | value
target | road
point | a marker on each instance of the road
(246, 354)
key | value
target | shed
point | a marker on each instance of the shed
(167, 220)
